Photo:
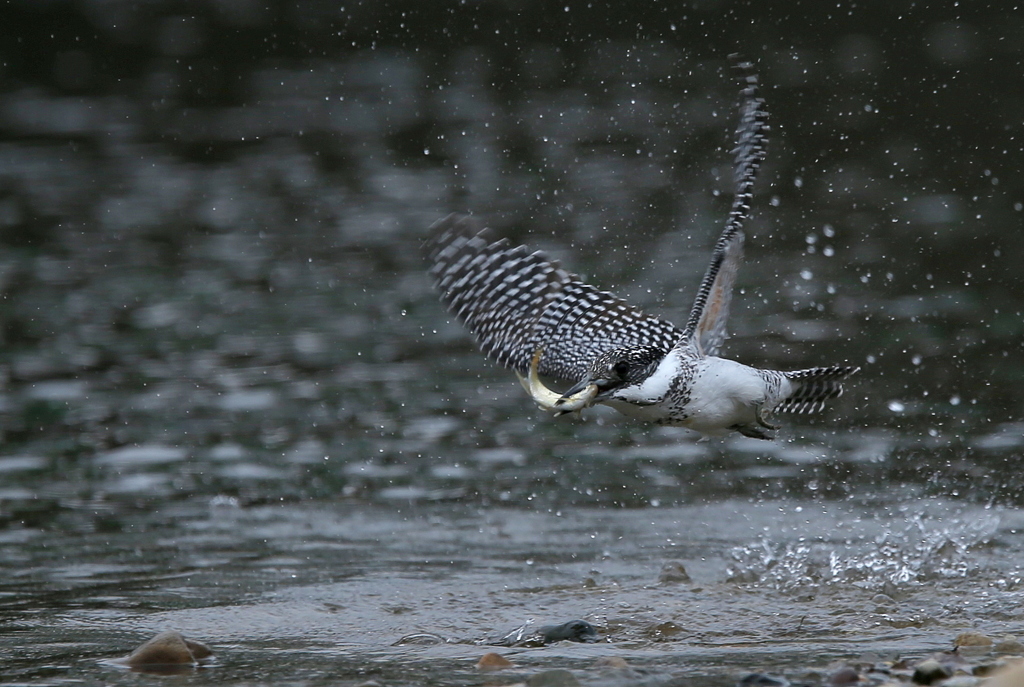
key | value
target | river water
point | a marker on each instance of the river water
(233, 406)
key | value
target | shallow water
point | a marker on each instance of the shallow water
(232, 405)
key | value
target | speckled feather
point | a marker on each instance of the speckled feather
(814, 386)
(514, 302)
(706, 325)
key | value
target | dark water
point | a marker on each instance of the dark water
(232, 406)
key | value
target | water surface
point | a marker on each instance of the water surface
(232, 405)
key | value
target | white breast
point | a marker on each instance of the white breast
(724, 394)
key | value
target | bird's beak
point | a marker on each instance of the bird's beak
(588, 388)
(579, 397)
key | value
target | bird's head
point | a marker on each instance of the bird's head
(617, 369)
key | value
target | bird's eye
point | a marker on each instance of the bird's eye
(621, 368)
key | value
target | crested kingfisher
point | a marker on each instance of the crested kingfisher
(530, 315)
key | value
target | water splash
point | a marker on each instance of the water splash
(924, 550)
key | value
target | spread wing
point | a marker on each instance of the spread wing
(706, 325)
(514, 302)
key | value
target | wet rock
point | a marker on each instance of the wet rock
(199, 650)
(168, 649)
(1008, 644)
(973, 643)
(847, 675)
(572, 631)
(553, 678)
(493, 661)
(420, 638)
(972, 639)
(762, 680)
(673, 572)
(614, 662)
(929, 671)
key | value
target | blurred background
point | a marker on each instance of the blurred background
(214, 298)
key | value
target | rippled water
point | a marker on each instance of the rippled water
(232, 406)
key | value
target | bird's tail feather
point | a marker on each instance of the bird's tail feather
(812, 387)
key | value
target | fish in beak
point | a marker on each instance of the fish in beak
(577, 398)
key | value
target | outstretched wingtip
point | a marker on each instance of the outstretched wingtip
(707, 321)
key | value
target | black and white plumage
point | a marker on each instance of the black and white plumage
(532, 316)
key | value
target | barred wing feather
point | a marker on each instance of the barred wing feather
(705, 327)
(514, 302)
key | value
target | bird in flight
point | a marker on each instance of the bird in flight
(530, 315)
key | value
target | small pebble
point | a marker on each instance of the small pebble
(616, 662)
(493, 661)
(928, 671)
(673, 572)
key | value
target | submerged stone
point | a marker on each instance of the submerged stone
(762, 680)
(1008, 644)
(168, 648)
(972, 639)
(973, 643)
(572, 631)
(673, 572)
(493, 661)
(424, 638)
